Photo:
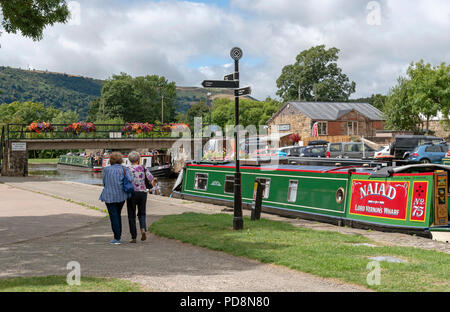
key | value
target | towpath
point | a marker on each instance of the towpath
(46, 232)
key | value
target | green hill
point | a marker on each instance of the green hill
(186, 96)
(57, 90)
(65, 91)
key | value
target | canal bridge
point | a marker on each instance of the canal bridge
(18, 139)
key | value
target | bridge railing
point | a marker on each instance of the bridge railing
(61, 131)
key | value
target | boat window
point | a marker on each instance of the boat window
(340, 195)
(266, 183)
(201, 181)
(229, 184)
(292, 193)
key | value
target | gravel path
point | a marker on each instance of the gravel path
(159, 264)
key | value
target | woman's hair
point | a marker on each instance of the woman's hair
(115, 158)
(134, 157)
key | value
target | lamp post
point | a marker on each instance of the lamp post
(238, 221)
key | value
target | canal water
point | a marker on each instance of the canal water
(93, 178)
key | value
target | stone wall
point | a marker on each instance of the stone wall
(14, 163)
(440, 128)
(298, 122)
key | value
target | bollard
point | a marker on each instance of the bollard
(258, 190)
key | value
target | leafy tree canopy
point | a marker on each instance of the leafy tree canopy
(30, 17)
(139, 99)
(251, 112)
(318, 76)
(28, 112)
(420, 96)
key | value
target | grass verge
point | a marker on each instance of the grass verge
(59, 284)
(323, 253)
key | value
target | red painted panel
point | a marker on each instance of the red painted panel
(419, 201)
(379, 199)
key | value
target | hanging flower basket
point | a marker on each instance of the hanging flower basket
(137, 127)
(40, 127)
(174, 126)
(78, 127)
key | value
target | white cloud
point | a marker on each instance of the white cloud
(165, 37)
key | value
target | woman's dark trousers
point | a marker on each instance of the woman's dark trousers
(114, 210)
(138, 199)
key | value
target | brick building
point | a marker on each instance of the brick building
(334, 119)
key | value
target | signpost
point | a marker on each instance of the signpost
(226, 84)
(229, 77)
(231, 81)
(243, 91)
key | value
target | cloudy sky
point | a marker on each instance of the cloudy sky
(189, 41)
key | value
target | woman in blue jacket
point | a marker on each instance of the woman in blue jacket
(113, 194)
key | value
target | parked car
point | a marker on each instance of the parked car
(429, 153)
(291, 151)
(349, 150)
(403, 145)
(318, 142)
(382, 152)
(313, 151)
(269, 152)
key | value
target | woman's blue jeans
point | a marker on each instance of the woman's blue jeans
(114, 210)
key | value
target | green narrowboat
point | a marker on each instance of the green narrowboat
(412, 198)
(80, 163)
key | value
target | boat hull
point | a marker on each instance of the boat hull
(368, 202)
(77, 163)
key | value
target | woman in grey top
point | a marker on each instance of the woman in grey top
(139, 197)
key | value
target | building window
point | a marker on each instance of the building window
(352, 128)
(266, 184)
(229, 184)
(292, 193)
(323, 127)
(201, 181)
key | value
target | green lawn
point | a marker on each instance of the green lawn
(322, 253)
(43, 160)
(59, 284)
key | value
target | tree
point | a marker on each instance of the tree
(199, 109)
(376, 100)
(30, 17)
(66, 117)
(251, 112)
(430, 89)
(26, 112)
(421, 95)
(139, 99)
(399, 111)
(315, 76)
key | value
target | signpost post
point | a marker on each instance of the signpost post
(231, 81)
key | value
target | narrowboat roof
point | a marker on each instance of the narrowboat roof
(382, 172)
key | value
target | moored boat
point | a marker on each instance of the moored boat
(79, 163)
(412, 198)
(158, 164)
